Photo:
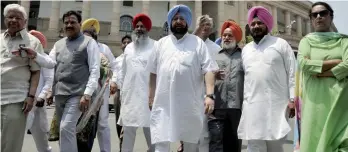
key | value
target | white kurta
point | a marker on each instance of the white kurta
(119, 61)
(213, 48)
(178, 105)
(135, 110)
(268, 86)
(45, 84)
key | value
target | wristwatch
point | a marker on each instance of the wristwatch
(211, 96)
(87, 97)
(30, 96)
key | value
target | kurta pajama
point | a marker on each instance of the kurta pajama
(324, 125)
(178, 105)
(269, 85)
(135, 111)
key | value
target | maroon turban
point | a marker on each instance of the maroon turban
(144, 19)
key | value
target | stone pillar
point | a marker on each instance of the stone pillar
(26, 5)
(308, 26)
(146, 6)
(287, 23)
(275, 18)
(54, 18)
(86, 10)
(221, 16)
(242, 11)
(172, 3)
(115, 21)
(198, 11)
(299, 26)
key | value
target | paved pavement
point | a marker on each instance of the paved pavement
(140, 143)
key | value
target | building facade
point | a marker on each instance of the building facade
(291, 17)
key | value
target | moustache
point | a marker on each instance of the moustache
(69, 28)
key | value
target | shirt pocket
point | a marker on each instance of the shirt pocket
(186, 58)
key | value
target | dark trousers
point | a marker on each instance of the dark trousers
(117, 107)
(223, 131)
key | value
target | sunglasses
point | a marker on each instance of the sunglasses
(323, 13)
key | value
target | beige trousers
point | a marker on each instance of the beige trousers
(13, 123)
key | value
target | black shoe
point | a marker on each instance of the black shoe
(28, 132)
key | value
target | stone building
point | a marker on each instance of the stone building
(291, 17)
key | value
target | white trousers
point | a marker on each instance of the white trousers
(68, 113)
(265, 145)
(39, 133)
(103, 132)
(165, 147)
(129, 134)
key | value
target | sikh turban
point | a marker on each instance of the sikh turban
(91, 23)
(236, 30)
(183, 10)
(39, 36)
(263, 14)
(144, 19)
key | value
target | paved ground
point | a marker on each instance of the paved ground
(140, 144)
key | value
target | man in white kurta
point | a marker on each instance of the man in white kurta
(135, 111)
(269, 65)
(204, 28)
(179, 66)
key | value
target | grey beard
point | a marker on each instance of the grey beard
(232, 45)
(140, 40)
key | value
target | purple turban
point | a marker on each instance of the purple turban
(263, 14)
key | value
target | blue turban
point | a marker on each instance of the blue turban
(218, 41)
(184, 11)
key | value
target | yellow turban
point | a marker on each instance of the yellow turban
(91, 23)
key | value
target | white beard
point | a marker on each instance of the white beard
(231, 45)
(140, 40)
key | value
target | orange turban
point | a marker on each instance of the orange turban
(236, 30)
(39, 36)
(144, 19)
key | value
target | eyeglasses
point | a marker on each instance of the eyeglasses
(323, 13)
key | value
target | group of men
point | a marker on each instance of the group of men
(183, 87)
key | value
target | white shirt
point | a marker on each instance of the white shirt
(135, 110)
(119, 61)
(45, 61)
(105, 50)
(212, 47)
(268, 86)
(178, 105)
(93, 64)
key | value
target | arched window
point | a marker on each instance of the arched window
(165, 29)
(126, 25)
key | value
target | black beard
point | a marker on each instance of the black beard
(179, 30)
(258, 37)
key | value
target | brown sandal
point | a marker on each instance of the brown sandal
(181, 147)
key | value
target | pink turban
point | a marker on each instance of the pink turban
(39, 36)
(263, 14)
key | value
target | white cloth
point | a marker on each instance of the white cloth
(213, 48)
(265, 145)
(105, 50)
(165, 147)
(103, 132)
(45, 84)
(93, 62)
(135, 110)
(178, 105)
(119, 61)
(129, 134)
(269, 85)
(39, 130)
(45, 61)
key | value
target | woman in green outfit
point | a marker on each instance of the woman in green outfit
(323, 60)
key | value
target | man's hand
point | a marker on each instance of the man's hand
(31, 53)
(291, 106)
(151, 99)
(49, 98)
(220, 75)
(113, 88)
(28, 105)
(209, 105)
(40, 102)
(84, 103)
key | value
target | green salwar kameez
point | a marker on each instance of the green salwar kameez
(324, 125)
